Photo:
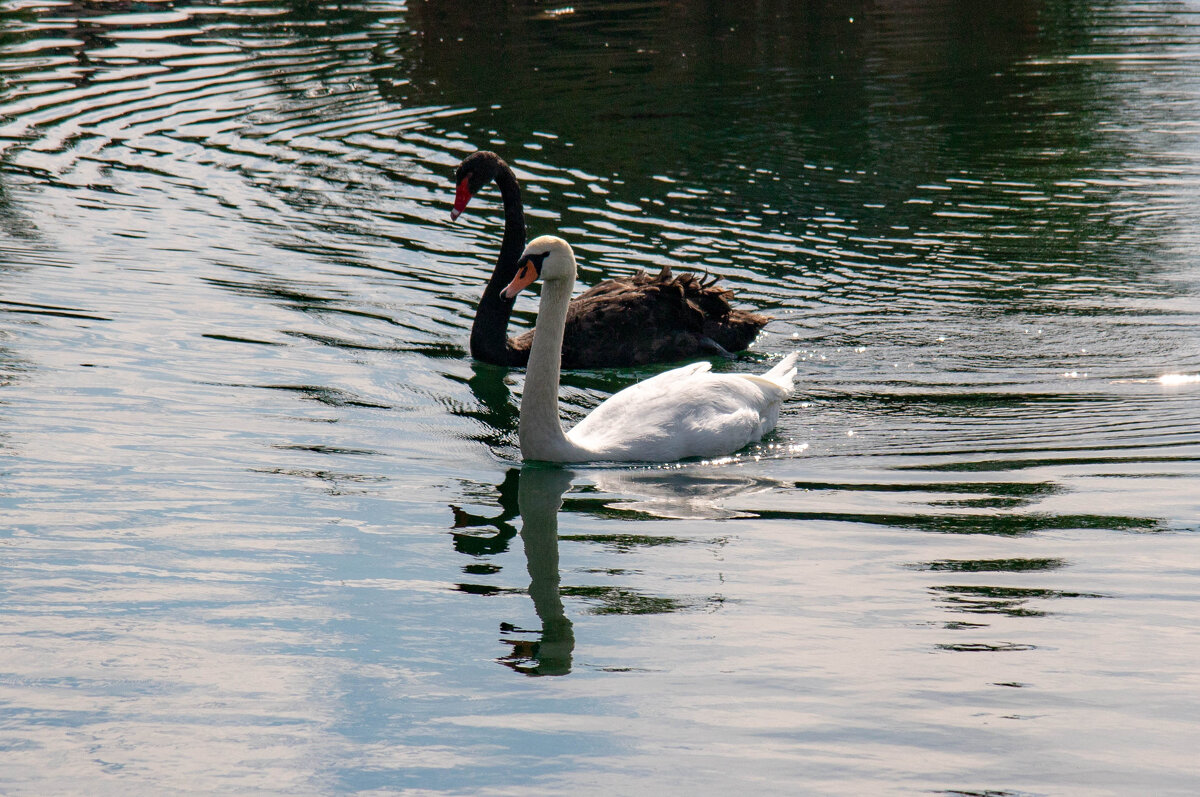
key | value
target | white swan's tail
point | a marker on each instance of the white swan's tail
(784, 371)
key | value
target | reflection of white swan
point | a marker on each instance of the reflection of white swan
(540, 495)
(689, 494)
(685, 412)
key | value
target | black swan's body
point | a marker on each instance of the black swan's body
(620, 322)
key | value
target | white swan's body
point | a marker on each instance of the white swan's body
(681, 413)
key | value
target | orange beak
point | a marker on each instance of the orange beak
(526, 275)
(461, 197)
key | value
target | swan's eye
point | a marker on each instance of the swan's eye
(538, 261)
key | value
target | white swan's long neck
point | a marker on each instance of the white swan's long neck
(540, 430)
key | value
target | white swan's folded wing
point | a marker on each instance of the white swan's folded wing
(671, 377)
(685, 412)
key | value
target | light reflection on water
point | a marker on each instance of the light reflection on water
(265, 527)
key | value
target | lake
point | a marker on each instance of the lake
(264, 523)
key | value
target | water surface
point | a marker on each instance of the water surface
(265, 524)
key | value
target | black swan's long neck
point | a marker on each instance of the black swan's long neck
(489, 333)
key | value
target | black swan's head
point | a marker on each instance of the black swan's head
(477, 170)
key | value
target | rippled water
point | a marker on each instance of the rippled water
(265, 525)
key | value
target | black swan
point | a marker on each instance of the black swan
(620, 322)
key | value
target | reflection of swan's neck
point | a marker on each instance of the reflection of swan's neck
(489, 333)
(540, 430)
(540, 498)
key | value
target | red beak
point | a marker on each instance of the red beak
(461, 197)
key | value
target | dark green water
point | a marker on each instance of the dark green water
(264, 526)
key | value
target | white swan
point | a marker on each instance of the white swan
(685, 412)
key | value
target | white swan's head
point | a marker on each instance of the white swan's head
(548, 257)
